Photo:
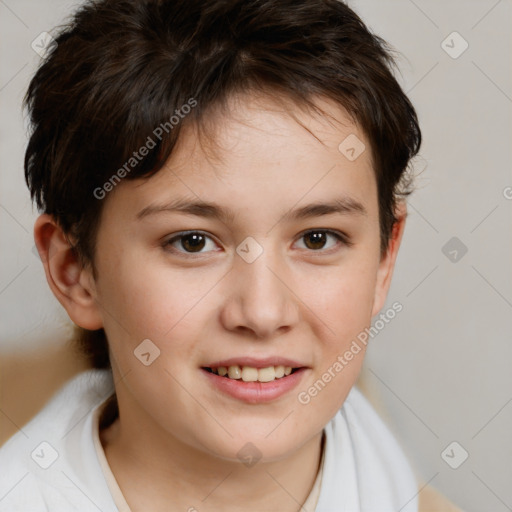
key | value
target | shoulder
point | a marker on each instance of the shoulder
(42, 457)
(66, 407)
(364, 452)
(431, 500)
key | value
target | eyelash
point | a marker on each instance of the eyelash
(341, 237)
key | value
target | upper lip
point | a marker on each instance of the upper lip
(255, 362)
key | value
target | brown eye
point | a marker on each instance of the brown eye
(191, 242)
(315, 239)
(318, 239)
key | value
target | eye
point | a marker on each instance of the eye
(190, 241)
(316, 239)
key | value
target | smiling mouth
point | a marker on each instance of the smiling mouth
(251, 374)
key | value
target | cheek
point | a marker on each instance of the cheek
(149, 300)
(342, 305)
(342, 298)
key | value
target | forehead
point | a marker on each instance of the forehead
(271, 128)
(261, 153)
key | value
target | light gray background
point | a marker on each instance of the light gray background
(441, 368)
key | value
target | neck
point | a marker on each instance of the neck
(158, 472)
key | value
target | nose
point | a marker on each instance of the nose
(260, 300)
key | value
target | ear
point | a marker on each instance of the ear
(387, 263)
(72, 285)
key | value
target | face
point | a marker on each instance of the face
(281, 268)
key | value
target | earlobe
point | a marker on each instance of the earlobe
(72, 285)
(387, 263)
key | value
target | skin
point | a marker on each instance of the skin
(176, 443)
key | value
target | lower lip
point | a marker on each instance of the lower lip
(255, 392)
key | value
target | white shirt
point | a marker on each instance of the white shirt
(56, 462)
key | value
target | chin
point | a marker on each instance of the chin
(250, 449)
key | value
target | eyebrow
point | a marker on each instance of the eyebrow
(344, 205)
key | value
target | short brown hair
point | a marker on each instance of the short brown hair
(120, 68)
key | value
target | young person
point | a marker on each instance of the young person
(222, 187)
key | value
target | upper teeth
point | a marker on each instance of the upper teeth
(251, 374)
